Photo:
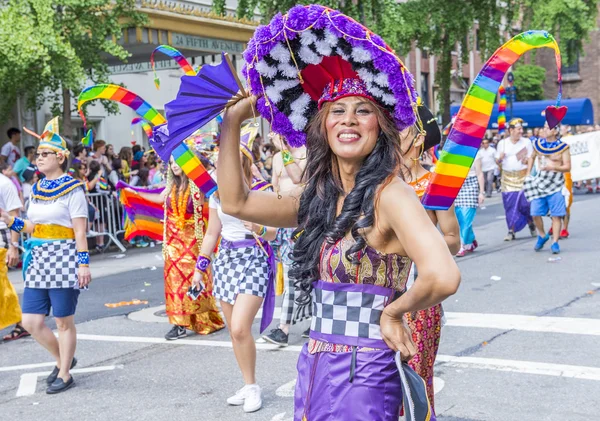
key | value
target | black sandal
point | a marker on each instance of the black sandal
(17, 333)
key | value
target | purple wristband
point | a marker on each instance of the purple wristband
(202, 263)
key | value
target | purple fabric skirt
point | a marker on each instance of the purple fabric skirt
(516, 208)
(324, 392)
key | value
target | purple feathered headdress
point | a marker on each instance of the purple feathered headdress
(290, 62)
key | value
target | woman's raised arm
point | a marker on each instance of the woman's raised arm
(265, 208)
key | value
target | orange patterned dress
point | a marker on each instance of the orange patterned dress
(180, 251)
(425, 325)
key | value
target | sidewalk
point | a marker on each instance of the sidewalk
(110, 264)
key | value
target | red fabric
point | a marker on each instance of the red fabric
(317, 76)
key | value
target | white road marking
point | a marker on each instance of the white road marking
(570, 325)
(281, 417)
(28, 382)
(26, 366)
(286, 390)
(596, 284)
(530, 367)
(438, 385)
(516, 366)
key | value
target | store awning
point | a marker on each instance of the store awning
(580, 112)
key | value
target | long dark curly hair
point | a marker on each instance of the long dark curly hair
(317, 220)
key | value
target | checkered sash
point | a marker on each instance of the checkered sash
(544, 184)
(468, 196)
(51, 264)
(4, 238)
(349, 314)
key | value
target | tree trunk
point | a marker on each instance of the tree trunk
(67, 126)
(445, 79)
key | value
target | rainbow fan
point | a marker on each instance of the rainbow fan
(474, 115)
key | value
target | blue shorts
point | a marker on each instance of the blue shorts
(39, 300)
(555, 204)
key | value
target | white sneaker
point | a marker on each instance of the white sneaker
(238, 398)
(253, 401)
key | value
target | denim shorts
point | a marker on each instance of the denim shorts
(555, 204)
(63, 301)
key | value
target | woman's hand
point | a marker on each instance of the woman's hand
(12, 256)
(6, 217)
(242, 110)
(197, 280)
(481, 198)
(255, 228)
(84, 276)
(396, 335)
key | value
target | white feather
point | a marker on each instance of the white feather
(330, 38)
(361, 55)
(323, 47)
(298, 107)
(366, 76)
(274, 92)
(288, 70)
(308, 56)
(382, 79)
(280, 53)
(307, 37)
(342, 54)
(266, 70)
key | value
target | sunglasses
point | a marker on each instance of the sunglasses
(44, 154)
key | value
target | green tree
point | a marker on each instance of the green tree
(55, 46)
(529, 80)
(218, 7)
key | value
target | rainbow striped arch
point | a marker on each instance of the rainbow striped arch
(187, 160)
(176, 55)
(473, 118)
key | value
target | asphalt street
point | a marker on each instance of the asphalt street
(522, 342)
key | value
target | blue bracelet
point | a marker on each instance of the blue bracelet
(202, 263)
(17, 225)
(83, 258)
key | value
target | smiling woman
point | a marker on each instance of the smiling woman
(359, 224)
(56, 259)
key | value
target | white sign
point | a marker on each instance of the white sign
(192, 42)
(142, 67)
(585, 155)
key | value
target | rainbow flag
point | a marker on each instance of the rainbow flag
(473, 117)
(103, 183)
(142, 217)
(502, 110)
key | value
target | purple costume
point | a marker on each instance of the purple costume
(346, 371)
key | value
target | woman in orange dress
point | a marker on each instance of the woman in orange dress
(183, 235)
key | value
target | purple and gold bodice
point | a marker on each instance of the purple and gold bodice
(374, 268)
(349, 298)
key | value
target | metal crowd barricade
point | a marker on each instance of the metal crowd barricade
(108, 220)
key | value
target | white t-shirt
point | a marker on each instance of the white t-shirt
(472, 170)
(232, 229)
(9, 197)
(61, 211)
(510, 149)
(11, 152)
(488, 159)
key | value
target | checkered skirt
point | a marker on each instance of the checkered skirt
(4, 238)
(53, 265)
(468, 196)
(243, 270)
(544, 184)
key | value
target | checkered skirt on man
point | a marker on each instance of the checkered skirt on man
(242, 270)
(53, 265)
(544, 184)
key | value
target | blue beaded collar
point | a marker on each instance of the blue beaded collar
(53, 189)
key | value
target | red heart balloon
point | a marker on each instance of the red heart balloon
(554, 115)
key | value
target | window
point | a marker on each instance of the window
(477, 39)
(425, 89)
(573, 68)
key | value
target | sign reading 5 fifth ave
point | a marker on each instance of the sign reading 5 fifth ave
(192, 42)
